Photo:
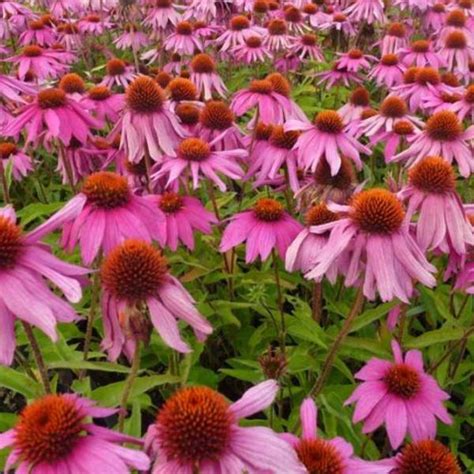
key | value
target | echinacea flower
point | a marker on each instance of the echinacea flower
(182, 40)
(197, 157)
(325, 139)
(265, 227)
(118, 73)
(338, 75)
(368, 11)
(457, 51)
(26, 268)
(335, 455)
(147, 124)
(131, 38)
(205, 77)
(353, 61)
(52, 115)
(443, 136)
(435, 18)
(338, 21)
(389, 72)
(239, 31)
(252, 50)
(198, 428)
(21, 163)
(183, 216)
(135, 277)
(359, 100)
(306, 47)
(385, 258)
(104, 104)
(431, 192)
(54, 434)
(427, 456)
(104, 214)
(394, 40)
(43, 63)
(15, 90)
(94, 24)
(162, 14)
(276, 38)
(464, 107)
(39, 33)
(401, 395)
(420, 54)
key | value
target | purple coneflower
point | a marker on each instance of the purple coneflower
(26, 269)
(276, 37)
(306, 47)
(457, 52)
(394, 40)
(337, 21)
(205, 77)
(325, 139)
(251, 51)
(55, 433)
(131, 38)
(197, 427)
(39, 33)
(324, 456)
(384, 256)
(104, 104)
(135, 277)
(265, 227)
(197, 157)
(238, 32)
(182, 40)
(402, 395)
(443, 136)
(162, 15)
(21, 163)
(13, 89)
(93, 24)
(368, 11)
(119, 73)
(420, 54)
(464, 106)
(442, 222)
(435, 18)
(354, 60)
(389, 71)
(338, 75)
(358, 102)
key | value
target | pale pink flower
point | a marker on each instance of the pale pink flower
(21, 163)
(394, 40)
(251, 51)
(206, 78)
(354, 60)
(162, 15)
(39, 33)
(464, 107)
(389, 72)
(420, 54)
(368, 11)
(119, 73)
(183, 40)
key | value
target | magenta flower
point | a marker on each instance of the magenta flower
(183, 41)
(135, 277)
(383, 253)
(196, 427)
(401, 395)
(239, 31)
(104, 104)
(132, 39)
(421, 54)
(389, 72)
(39, 33)
(464, 107)
(119, 73)
(162, 14)
(354, 61)
(306, 47)
(94, 25)
(147, 125)
(13, 89)
(369, 11)
(183, 216)
(358, 102)
(457, 51)
(205, 77)
(442, 222)
(276, 38)
(338, 22)
(325, 139)
(338, 75)
(52, 115)
(443, 136)
(197, 157)
(252, 51)
(265, 227)
(44, 64)
(26, 268)
(334, 455)
(104, 214)
(21, 163)
(394, 40)
(54, 434)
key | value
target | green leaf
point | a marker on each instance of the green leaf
(437, 336)
(34, 211)
(133, 425)
(88, 365)
(7, 420)
(110, 395)
(20, 383)
(372, 315)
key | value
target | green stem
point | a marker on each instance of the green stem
(279, 302)
(3, 178)
(127, 389)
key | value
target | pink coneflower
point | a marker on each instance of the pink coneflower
(368, 11)
(337, 21)
(73, 85)
(314, 15)
(464, 107)
(389, 72)
(443, 136)
(442, 222)
(162, 15)
(251, 51)
(384, 255)
(147, 124)
(42, 63)
(119, 73)
(358, 102)
(457, 52)
(182, 40)
(275, 155)
(265, 227)
(427, 456)
(421, 54)
(325, 139)
(239, 30)
(304, 249)
(39, 33)
(55, 433)
(206, 30)
(69, 35)
(198, 428)
(205, 77)
(135, 277)
(396, 139)
(184, 215)
(13, 89)
(276, 37)
(197, 157)
(295, 20)
(52, 115)
(104, 104)
(338, 75)
(20, 162)
(402, 395)
(328, 456)
(104, 214)
(26, 269)
(93, 24)
(394, 40)
(456, 22)
(353, 61)
(131, 38)
(217, 123)
(306, 47)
